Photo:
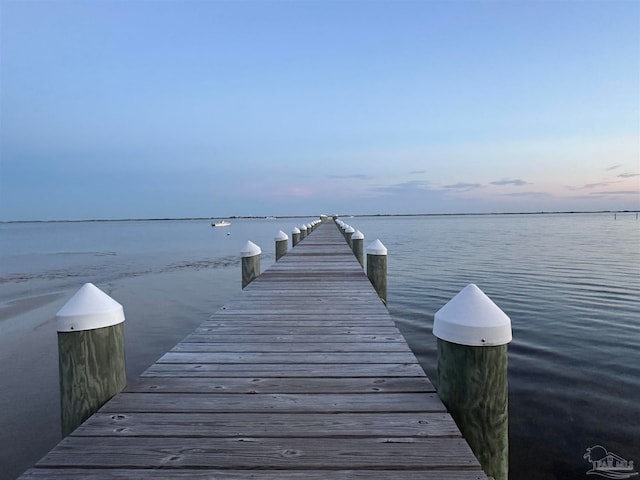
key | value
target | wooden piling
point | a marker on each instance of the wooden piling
(377, 268)
(357, 246)
(250, 263)
(472, 337)
(282, 240)
(91, 357)
(348, 234)
(295, 236)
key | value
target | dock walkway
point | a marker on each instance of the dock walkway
(303, 376)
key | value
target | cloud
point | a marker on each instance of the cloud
(464, 186)
(516, 181)
(596, 185)
(628, 175)
(589, 186)
(357, 176)
(411, 185)
(618, 192)
(527, 194)
(613, 167)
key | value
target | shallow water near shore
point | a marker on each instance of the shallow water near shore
(570, 283)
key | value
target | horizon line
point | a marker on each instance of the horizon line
(161, 219)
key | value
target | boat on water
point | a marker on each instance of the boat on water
(221, 223)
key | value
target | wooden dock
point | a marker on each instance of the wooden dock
(303, 375)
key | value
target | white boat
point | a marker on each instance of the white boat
(222, 223)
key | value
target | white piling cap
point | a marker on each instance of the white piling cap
(357, 236)
(350, 229)
(295, 230)
(250, 249)
(376, 248)
(471, 318)
(88, 309)
(303, 227)
(281, 236)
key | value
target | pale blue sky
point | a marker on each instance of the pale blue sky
(116, 109)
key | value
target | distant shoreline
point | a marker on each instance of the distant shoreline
(359, 215)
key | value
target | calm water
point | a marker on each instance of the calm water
(570, 283)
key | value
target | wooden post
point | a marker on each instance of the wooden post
(295, 236)
(472, 335)
(357, 241)
(303, 232)
(91, 356)
(282, 240)
(250, 262)
(348, 233)
(377, 268)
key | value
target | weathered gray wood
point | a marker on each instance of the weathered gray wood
(347, 237)
(296, 321)
(313, 425)
(250, 269)
(286, 338)
(377, 273)
(290, 357)
(283, 370)
(263, 453)
(281, 248)
(302, 347)
(227, 474)
(472, 382)
(258, 329)
(282, 385)
(92, 370)
(275, 402)
(357, 245)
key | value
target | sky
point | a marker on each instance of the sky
(153, 109)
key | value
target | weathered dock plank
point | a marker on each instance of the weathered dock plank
(302, 376)
(283, 370)
(347, 425)
(261, 453)
(282, 385)
(303, 347)
(230, 474)
(275, 402)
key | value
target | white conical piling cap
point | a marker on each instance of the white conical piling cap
(250, 249)
(88, 309)
(281, 236)
(295, 230)
(357, 236)
(471, 318)
(350, 229)
(376, 248)
(303, 227)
